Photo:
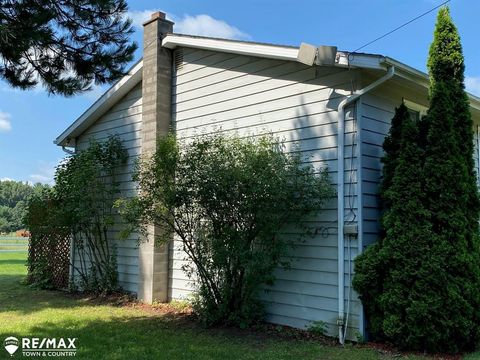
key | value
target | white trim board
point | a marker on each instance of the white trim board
(270, 51)
(99, 107)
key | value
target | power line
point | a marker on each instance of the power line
(403, 25)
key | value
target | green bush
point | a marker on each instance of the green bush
(389, 272)
(420, 284)
(41, 274)
(81, 204)
(226, 199)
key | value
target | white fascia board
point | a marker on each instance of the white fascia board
(422, 78)
(378, 62)
(474, 101)
(409, 73)
(99, 107)
(235, 47)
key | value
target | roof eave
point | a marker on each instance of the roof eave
(172, 41)
(101, 105)
(422, 78)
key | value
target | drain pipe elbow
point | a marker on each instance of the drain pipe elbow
(341, 195)
(69, 152)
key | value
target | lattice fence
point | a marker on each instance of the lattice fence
(49, 260)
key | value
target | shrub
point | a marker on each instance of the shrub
(82, 204)
(387, 273)
(226, 199)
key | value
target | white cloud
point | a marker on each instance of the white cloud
(44, 174)
(6, 179)
(5, 124)
(203, 25)
(472, 84)
(138, 17)
(39, 178)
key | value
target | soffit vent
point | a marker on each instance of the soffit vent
(178, 59)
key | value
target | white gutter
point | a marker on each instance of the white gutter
(171, 41)
(341, 195)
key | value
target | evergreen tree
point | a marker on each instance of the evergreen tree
(387, 271)
(452, 196)
(391, 148)
(67, 46)
(420, 284)
(446, 64)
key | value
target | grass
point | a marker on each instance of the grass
(132, 332)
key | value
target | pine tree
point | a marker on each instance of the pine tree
(67, 46)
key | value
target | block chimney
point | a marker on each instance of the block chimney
(156, 122)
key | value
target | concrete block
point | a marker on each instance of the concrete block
(156, 119)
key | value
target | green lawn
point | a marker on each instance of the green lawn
(132, 332)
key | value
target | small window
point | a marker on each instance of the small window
(415, 115)
(415, 110)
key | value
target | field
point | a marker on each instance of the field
(13, 243)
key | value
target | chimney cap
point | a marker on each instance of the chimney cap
(157, 16)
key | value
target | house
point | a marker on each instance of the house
(336, 105)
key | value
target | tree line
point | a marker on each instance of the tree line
(14, 196)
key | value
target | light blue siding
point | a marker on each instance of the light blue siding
(124, 119)
(216, 92)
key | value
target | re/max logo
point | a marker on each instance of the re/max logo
(47, 343)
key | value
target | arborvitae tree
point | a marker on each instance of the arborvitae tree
(386, 271)
(451, 195)
(421, 283)
(391, 147)
(446, 64)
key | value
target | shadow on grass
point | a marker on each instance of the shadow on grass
(19, 297)
(12, 262)
(145, 337)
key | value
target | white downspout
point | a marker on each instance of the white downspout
(341, 194)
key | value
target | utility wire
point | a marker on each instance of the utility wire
(403, 25)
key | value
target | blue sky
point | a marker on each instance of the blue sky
(30, 120)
